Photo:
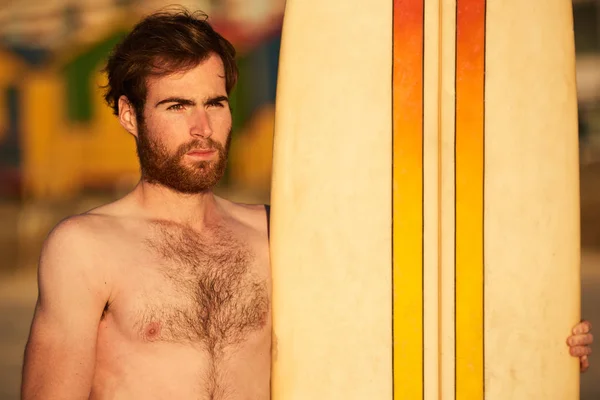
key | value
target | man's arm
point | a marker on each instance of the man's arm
(61, 351)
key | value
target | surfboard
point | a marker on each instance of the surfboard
(425, 201)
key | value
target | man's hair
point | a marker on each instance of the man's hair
(161, 44)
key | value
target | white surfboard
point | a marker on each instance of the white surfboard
(425, 220)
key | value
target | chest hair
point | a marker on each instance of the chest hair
(217, 296)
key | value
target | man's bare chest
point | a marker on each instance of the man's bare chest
(207, 290)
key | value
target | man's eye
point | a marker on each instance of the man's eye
(176, 107)
(216, 104)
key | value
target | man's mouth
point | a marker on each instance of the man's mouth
(201, 153)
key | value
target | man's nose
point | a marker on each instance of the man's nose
(200, 124)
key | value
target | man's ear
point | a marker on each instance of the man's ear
(127, 116)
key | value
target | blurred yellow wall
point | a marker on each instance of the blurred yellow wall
(61, 157)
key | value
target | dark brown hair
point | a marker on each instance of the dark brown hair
(161, 44)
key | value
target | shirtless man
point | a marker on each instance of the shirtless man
(165, 293)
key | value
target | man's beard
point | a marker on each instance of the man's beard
(160, 167)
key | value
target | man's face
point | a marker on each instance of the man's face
(184, 135)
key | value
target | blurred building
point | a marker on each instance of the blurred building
(49, 24)
(586, 15)
(12, 67)
(57, 137)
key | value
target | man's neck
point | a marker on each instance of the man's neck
(163, 203)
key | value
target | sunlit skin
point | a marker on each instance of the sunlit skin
(124, 288)
(127, 307)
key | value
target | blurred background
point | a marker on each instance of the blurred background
(63, 152)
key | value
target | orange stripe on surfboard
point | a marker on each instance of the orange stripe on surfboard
(470, 121)
(408, 199)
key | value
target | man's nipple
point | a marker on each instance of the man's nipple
(152, 331)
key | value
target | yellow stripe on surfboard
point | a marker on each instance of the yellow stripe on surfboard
(470, 70)
(408, 199)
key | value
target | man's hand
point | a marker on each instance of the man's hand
(580, 343)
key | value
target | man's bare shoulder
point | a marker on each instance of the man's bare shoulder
(74, 236)
(251, 215)
(70, 256)
(84, 235)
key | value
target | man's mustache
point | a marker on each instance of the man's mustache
(204, 144)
